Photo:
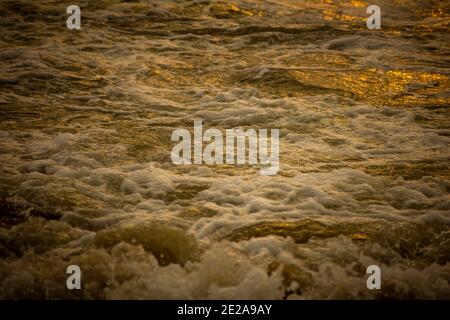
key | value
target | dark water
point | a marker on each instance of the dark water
(87, 178)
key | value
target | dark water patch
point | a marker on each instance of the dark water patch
(184, 192)
(37, 235)
(285, 82)
(427, 242)
(302, 231)
(412, 170)
(168, 244)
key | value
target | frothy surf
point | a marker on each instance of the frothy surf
(85, 139)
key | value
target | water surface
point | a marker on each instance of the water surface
(87, 178)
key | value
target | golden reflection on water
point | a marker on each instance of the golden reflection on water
(335, 13)
(234, 8)
(393, 87)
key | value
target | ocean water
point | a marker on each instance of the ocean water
(86, 177)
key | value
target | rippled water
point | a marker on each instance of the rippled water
(87, 178)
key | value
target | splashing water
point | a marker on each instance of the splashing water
(87, 178)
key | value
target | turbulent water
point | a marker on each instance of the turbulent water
(85, 139)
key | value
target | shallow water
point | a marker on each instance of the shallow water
(87, 178)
